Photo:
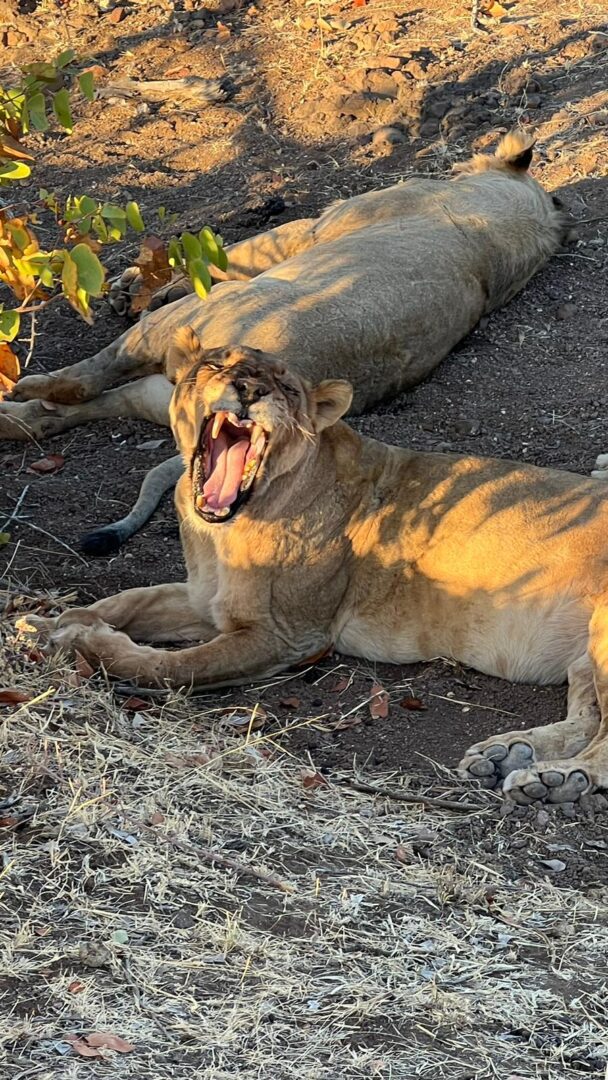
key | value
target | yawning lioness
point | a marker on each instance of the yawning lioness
(297, 531)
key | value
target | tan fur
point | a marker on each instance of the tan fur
(390, 555)
(377, 290)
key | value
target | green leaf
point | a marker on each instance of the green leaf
(61, 108)
(14, 170)
(20, 237)
(100, 228)
(65, 58)
(134, 217)
(47, 278)
(87, 205)
(174, 252)
(37, 111)
(162, 213)
(86, 82)
(5, 538)
(191, 246)
(113, 213)
(200, 277)
(91, 274)
(46, 72)
(9, 325)
(211, 249)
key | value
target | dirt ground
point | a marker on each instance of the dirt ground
(311, 84)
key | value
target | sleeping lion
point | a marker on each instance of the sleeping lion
(297, 531)
(377, 290)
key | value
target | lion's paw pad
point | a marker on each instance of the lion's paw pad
(550, 783)
(491, 764)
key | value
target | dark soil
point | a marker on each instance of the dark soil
(530, 383)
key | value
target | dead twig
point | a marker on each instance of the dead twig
(231, 863)
(402, 796)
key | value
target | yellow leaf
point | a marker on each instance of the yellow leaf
(9, 368)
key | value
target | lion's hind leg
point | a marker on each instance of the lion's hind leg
(580, 769)
(514, 753)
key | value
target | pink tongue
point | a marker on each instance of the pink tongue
(227, 464)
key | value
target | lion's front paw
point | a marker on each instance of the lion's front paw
(550, 781)
(102, 646)
(494, 759)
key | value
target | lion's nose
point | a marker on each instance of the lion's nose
(249, 391)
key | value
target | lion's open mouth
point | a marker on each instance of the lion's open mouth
(226, 463)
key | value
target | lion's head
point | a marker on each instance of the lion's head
(241, 420)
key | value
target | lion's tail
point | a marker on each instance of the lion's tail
(109, 538)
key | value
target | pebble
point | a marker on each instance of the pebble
(390, 63)
(543, 818)
(94, 954)
(117, 14)
(556, 865)
(387, 136)
(380, 82)
(565, 311)
(416, 69)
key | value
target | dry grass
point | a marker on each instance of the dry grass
(404, 949)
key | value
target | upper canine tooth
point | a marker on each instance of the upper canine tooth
(217, 424)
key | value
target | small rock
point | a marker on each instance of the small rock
(597, 43)
(568, 810)
(565, 311)
(533, 101)
(13, 38)
(184, 919)
(94, 954)
(380, 83)
(437, 108)
(389, 63)
(387, 136)
(465, 427)
(416, 69)
(117, 14)
(368, 43)
(542, 819)
(556, 865)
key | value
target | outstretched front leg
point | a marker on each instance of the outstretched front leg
(146, 399)
(244, 655)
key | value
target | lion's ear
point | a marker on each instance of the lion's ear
(185, 350)
(332, 399)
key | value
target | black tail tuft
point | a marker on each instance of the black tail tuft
(101, 542)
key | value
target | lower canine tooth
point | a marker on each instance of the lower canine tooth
(200, 501)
